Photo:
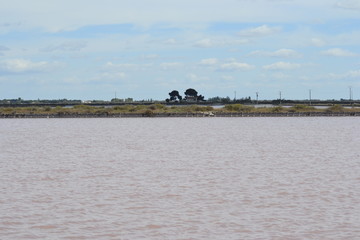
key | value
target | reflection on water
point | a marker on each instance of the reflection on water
(198, 178)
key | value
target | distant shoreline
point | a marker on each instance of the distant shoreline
(160, 110)
(177, 115)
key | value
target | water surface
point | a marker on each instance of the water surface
(180, 178)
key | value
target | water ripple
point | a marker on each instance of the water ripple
(211, 178)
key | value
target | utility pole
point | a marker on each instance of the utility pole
(350, 92)
(310, 97)
(257, 97)
(280, 97)
(234, 96)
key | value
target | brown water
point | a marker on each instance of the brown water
(180, 178)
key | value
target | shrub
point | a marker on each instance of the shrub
(132, 109)
(159, 106)
(123, 108)
(336, 108)
(102, 111)
(277, 109)
(80, 106)
(208, 108)
(8, 110)
(301, 108)
(83, 109)
(196, 108)
(238, 108)
(148, 113)
(152, 107)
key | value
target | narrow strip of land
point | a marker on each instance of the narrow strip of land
(160, 110)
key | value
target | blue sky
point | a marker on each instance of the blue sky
(144, 49)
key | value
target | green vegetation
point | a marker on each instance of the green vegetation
(239, 108)
(335, 108)
(302, 108)
(152, 110)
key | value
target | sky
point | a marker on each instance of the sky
(144, 49)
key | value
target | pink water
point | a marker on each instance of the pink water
(180, 178)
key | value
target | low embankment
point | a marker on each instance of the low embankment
(159, 110)
(204, 114)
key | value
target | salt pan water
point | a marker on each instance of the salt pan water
(180, 178)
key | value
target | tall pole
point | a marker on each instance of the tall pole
(280, 97)
(257, 97)
(351, 94)
(309, 96)
(350, 91)
(234, 96)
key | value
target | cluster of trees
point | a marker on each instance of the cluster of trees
(120, 100)
(229, 100)
(39, 101)
(190, 95)
(219, 99)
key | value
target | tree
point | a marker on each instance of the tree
(190, 95)
(174, 96)
(174, 93)
(200, 98)
(191, 92)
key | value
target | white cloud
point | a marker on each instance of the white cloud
(195, 78)
(230, 60)
(227, 78)
(127, 66)
(121, 67)
(64, 15)
(68, 46)
(117, 75)
(284, 53)
(352, 74)
(338, 52)
(280, 76)
(349, 4)
(282, 66)
(73, 79)
(170, 41)
(234, 66)
(25, 66)
(220, 42)
(209, 61)
(150, 57)
(261, 31)
(170, 65)
(205, 43)
(109, 77)
(318, 42)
